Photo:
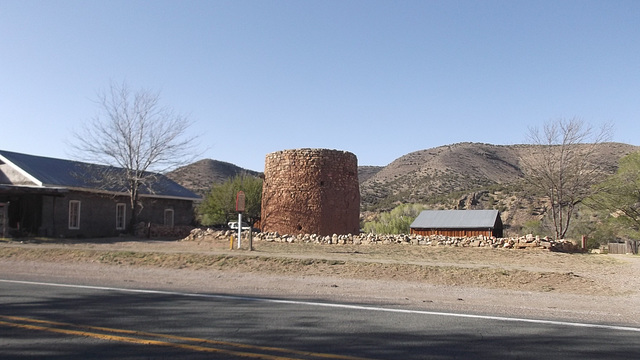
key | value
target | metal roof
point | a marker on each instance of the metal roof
(56, 173)
(455, 219)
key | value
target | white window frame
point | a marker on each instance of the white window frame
(74, 214)
(121, 216)
(171, 217)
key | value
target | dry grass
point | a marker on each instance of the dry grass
(528, 270)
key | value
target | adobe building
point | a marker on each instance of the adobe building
(311, 191)
(42, 196)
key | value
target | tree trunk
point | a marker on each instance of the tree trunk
(134, 209)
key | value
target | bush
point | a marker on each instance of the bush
(397, 221)
(218, 207)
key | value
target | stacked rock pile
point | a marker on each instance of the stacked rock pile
(523, 242)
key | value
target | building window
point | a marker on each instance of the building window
(168, 217)
(74, 214)
(121, 216)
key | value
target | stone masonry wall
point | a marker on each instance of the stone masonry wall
(311, 191)
(521, 242)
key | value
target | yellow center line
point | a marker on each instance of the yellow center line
(46, 326)
(142, 341)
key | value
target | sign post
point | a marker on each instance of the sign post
(240, 208)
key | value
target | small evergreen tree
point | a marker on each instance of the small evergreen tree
(219, 205)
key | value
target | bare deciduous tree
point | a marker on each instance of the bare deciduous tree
(132, 131)
(562, 167)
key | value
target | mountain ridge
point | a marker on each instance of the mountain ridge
(462, 175)
(200, 176)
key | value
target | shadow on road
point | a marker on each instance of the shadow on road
(297, 327)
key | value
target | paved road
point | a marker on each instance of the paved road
(57, 321)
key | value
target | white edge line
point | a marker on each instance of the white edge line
(342, 306)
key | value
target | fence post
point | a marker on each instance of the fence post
(632, 246)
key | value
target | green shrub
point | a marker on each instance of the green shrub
(396, 221)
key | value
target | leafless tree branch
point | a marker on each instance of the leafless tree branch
(563, 167)
(134, 132)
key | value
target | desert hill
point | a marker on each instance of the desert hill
(422, 175)
(367, 172)
(469, 176)
(201, 175)
(463, 176)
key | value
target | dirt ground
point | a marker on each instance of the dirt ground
(528, 283)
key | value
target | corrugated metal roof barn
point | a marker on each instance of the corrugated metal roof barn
(458, 223)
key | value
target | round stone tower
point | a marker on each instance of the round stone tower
(311, 191)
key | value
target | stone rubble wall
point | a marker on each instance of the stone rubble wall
(523, 242)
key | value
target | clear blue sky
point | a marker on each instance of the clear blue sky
(377, 78)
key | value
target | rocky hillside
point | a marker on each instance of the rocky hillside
(201, 175)
(463, 176)
(367, 172)
(468, 176)
(421, 175)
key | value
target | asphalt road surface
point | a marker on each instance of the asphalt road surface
(64, 321)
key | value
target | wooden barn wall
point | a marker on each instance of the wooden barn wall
(454, 232)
